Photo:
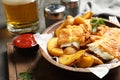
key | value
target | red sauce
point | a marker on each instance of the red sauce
(24, 41)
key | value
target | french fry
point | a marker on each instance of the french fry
(70, 50)
(79, 20)
(85, 61)
(70, 59)
(97, 61)
(53, 48)
(87, 15)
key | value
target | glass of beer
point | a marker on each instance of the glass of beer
(22, 16)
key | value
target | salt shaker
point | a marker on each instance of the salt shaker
(54, 13)
(72, 7)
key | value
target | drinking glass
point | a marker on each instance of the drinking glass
(22, 16)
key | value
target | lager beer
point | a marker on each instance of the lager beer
(21, 15)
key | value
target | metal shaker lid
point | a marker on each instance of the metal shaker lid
(72, 0)
(69, 1)
(54, 8)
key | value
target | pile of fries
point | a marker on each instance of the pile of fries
(73, 38)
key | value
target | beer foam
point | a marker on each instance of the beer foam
(17, 2)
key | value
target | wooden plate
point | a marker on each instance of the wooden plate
(49, 58)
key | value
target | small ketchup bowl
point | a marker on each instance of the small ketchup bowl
(25, 45)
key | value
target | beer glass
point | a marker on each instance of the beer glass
(22, 16)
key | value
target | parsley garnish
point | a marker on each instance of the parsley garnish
(25, 75)
(96, 22)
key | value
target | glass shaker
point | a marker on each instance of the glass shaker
(72, 7)
(54, 13)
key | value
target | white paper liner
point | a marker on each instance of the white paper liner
(100, 70)
(42, 40)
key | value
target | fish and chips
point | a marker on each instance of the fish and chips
(84, 41)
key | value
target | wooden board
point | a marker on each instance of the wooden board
(41, 69)
(18, 63)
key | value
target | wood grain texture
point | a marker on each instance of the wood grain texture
(18, 63)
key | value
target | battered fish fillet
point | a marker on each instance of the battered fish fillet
(108, 46)
(72, 35)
